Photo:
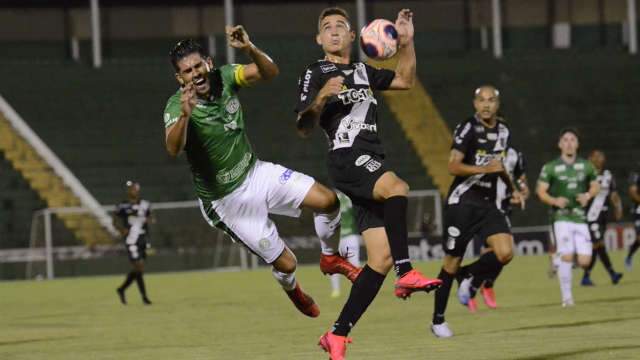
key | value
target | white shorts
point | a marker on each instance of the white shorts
(572, 238)
(244, 213)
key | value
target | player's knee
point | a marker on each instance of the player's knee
(399, 188)
(287, 267)
(504, 256)
(328, 200)
(381, 264)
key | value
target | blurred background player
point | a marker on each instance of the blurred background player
(237, 192)
(514, 164)
(634, 194)
(597, 216)
(349, 240)
(336, 94)
(476, 160)
(568, 184)
(132, 218)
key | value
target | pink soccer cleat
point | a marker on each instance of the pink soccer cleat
(472, 305)
(336, 264)
(414, 281)
(335, 345)
(303, 302)
(489, 297)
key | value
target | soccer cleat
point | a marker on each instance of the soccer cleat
(336, 264)
(489, 297)
(303, 302)
(414, 281)
(586, 281)
(628, 263)
(335, 345)
(146, 301)
(464, 291)
(472, 305)
(123, 299)
(567, 303)
(441, 330)
(615, 278)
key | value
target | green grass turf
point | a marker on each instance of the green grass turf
(245, 315)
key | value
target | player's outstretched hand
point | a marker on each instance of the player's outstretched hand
(237, 37)
(583, 199)
(404, 26)
(494, 166)
(188, 99)
(518, 198)
(561, 202)
(332, 87)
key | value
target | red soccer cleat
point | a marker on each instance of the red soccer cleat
(303, 302)
(414, 281)
(489, 297)
(336, 264)
(472, 305)
(335, 345)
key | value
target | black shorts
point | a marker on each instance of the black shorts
(464, 221)
(138, 251)
(636, 223)
(597, 229)
(355, 172)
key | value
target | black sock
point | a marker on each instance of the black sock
(488, 282)
(140, 281)
(604, 257)
(634, 247)
(395, 224)
(363, 291)
(442, 296)
(130, 277)
(483, 268)
(594, 258)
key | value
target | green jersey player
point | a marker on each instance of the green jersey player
(568, 184)
(237, 191)
(349, 239)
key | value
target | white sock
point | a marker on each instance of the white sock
(350, 249)
(287, 281)
(564, 277)
(335, 282)
(328, 230)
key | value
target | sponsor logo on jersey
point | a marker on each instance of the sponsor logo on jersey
(479, 129)
(362, 159)
(348, 123)
(579, 166)
(305, 85)
(462, 134)
(482, 141)
(286, 175)
(232, 105)
(328, 68)
(372, 165)
(492, 136)
(560, 168)
(350, 96)
(453, 231)
(229, 176)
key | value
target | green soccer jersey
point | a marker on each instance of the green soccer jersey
(568, 180)
(217, 146)
(347, 219)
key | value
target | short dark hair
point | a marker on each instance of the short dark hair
(184, 48)
(333, 11)
(571, 130)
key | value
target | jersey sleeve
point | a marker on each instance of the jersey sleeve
(462, 137)
(546, 174)
(233, 76)
(172, 111)
(591, 173)
(308, 88)
(379, 79)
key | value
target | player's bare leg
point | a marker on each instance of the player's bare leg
(326, 218)
(392, 192)
(284, 268)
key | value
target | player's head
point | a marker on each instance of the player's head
(486, 101)
(335, 34)
(597, 158)
(133, 189)
(192, 65)
(568, 141)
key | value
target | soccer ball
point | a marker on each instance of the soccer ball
(379, 39)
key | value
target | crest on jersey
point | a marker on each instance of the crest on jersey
(232, 105)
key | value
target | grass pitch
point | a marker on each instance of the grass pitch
(245, 315)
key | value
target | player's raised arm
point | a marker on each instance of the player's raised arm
(176, 124)
(406, 68)
(262, 67)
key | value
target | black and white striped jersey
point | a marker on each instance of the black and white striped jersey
(134, 217)
(515, 165)
(598, 208)
(634, 180)
(479, 144)
(350, 119)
